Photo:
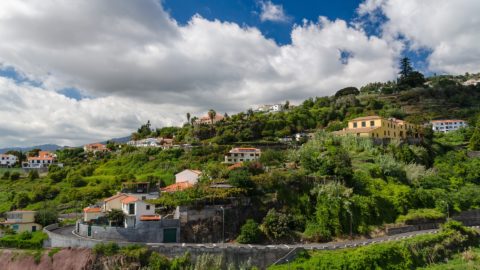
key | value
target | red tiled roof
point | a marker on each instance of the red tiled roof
(235, 166)
(130, 199)
(92, 210)
(177, 187)
(119, 195)
(150, 217)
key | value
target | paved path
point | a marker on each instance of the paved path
(68, 231)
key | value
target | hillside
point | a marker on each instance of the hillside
(325, 189)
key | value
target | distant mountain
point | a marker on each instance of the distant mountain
(118, 140)
(45, 147)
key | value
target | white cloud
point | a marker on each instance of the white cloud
(137, 64)
(272, 12)
(449, 29)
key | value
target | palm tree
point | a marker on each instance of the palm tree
(193, 119)
(212, 113)
(188, 117)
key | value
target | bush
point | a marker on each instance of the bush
(46, 216)
(416, 216)
(249, 233)
(158, 262)
(24, 240)
(32, 175)
(6, 175)
(107, 249)
(14, 176)
(275, 224)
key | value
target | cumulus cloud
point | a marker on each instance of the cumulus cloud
(449, 29)
(272, 12)
(136, 63)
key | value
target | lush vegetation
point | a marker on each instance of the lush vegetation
(466, 260)
(406, 254)
(24, 240)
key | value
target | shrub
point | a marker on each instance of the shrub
(275, 224)
(46, 216)
(14, 176)
(6, 175)
(415, 216)
(32, 175)
(25, 240)
(107, 249)
(158, 262)
(249, 233)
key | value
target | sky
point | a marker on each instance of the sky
(81, 71)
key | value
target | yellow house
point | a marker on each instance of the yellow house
(114, 202)
(21, 221)
(379, 127)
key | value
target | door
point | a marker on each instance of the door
(89, 231)
(170, 235)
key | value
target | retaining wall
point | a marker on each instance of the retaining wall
(149, 232)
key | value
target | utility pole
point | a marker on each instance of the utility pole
(223, 224)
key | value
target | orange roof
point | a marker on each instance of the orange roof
(150, 217)
(92, 209)
(235, 166)
(177, 187)
(119, 195)
(129, 199)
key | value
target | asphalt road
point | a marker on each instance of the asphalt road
(68, 231)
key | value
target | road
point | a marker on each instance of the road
(68, 231)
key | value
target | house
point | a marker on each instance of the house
(270, 108)
(190, 176)
(473, 82)
(95, 147)
(447, 125)
(114, 202)
(166, 143)
(242, 154)
(379, 127)
(7, 160)
(206, 120)
(43, 160)
(136, 209)
(92, 212)
(148, 142)
(22, 221)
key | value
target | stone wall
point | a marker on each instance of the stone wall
(149, 232)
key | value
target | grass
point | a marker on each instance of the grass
(467, 260)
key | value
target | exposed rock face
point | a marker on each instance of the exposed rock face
(65, 259)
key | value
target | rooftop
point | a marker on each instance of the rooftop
(150, 217)
(92, 209)
(177, 187)
(130, 199)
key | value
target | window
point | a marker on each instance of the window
(131, 209)
(364, 124)
(372, 123)
(147, 207)
(384, 133)
(355, 125)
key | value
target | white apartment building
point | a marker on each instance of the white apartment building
(447, 125)
(7, 160)
(242, 154)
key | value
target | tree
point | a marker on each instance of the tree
(211, 114)
(405, 67)
(249, 233)
(46, 216)
(475, 139)
(240, 178)
(275, 224)
(347, 91)
(188, 117)
(116, 217)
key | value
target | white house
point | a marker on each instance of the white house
(7, 160)
(276, 108)
(148, 142)
(190, 176)
(137, 210)
(447, 125)
(270, 108)
(242, 154)
(43, 160)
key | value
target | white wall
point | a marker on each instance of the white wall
(187, 175)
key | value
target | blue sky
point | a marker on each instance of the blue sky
(245, 12)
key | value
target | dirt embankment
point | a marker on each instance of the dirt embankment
(65, 259)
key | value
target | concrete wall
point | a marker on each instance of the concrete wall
(150, 232)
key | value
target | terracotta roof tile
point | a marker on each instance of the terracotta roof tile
(130, 199)
(92, 209)
(177, 187)
(150, 217)
(119, 195)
